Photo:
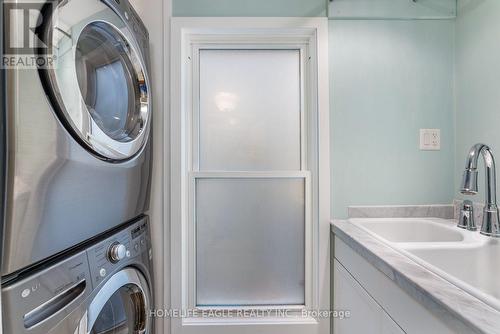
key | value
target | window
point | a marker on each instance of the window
(250, 173)
(250, 189)
(250, 241)
(249, 110)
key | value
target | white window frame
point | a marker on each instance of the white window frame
(309, 36)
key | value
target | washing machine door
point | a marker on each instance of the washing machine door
(98, 80)
(122, 305)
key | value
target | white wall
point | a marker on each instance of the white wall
(156, 15)
(477, 81)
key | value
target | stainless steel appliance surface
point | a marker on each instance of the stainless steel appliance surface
(78, 132)
(104, 288)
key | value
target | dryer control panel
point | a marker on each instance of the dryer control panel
(115, 252)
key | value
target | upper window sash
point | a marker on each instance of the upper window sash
(195, 117)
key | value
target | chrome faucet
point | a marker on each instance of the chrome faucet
(466, 219)
(491, 219)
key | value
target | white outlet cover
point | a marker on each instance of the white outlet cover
(430, 139)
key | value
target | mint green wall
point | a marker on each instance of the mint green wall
(390, 78)
(249, 7)
(393, 9)
(477, 81)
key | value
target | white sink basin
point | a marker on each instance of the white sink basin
(475, 269)
(411, 230)
(466, 259)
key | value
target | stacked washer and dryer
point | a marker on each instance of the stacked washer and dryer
(77, 253)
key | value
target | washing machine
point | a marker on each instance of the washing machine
(78, 131)
(105, 288)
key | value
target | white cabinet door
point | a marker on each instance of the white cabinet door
(366, 314)
(389, 326)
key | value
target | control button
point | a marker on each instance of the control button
(136, 247)
(143, 242)
(128, 253)
(102, 272)
(117, 252)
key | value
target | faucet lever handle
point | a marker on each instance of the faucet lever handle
(466, 218)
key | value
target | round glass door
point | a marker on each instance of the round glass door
(99, 80)
(123, 313)
(111, 82)
(121, 306)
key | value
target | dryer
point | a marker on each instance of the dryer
(78, 148)
(105, 288)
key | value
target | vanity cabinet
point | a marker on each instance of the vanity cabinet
(367, 316)
(376, 303)
(389, 326)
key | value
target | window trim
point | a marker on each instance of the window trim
(308, 32)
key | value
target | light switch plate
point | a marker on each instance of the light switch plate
(430, 139)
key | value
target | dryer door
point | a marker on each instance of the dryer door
(98, 81)
(122, 305)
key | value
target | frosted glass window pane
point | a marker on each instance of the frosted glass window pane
(250, 242)
(249, 110)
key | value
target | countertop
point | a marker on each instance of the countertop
(454, 304)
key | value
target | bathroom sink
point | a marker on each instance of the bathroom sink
(408, 230)
(464, 258)
(472, 268)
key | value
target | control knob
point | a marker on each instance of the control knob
(117, 252)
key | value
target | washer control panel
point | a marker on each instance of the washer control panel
(112, 253)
